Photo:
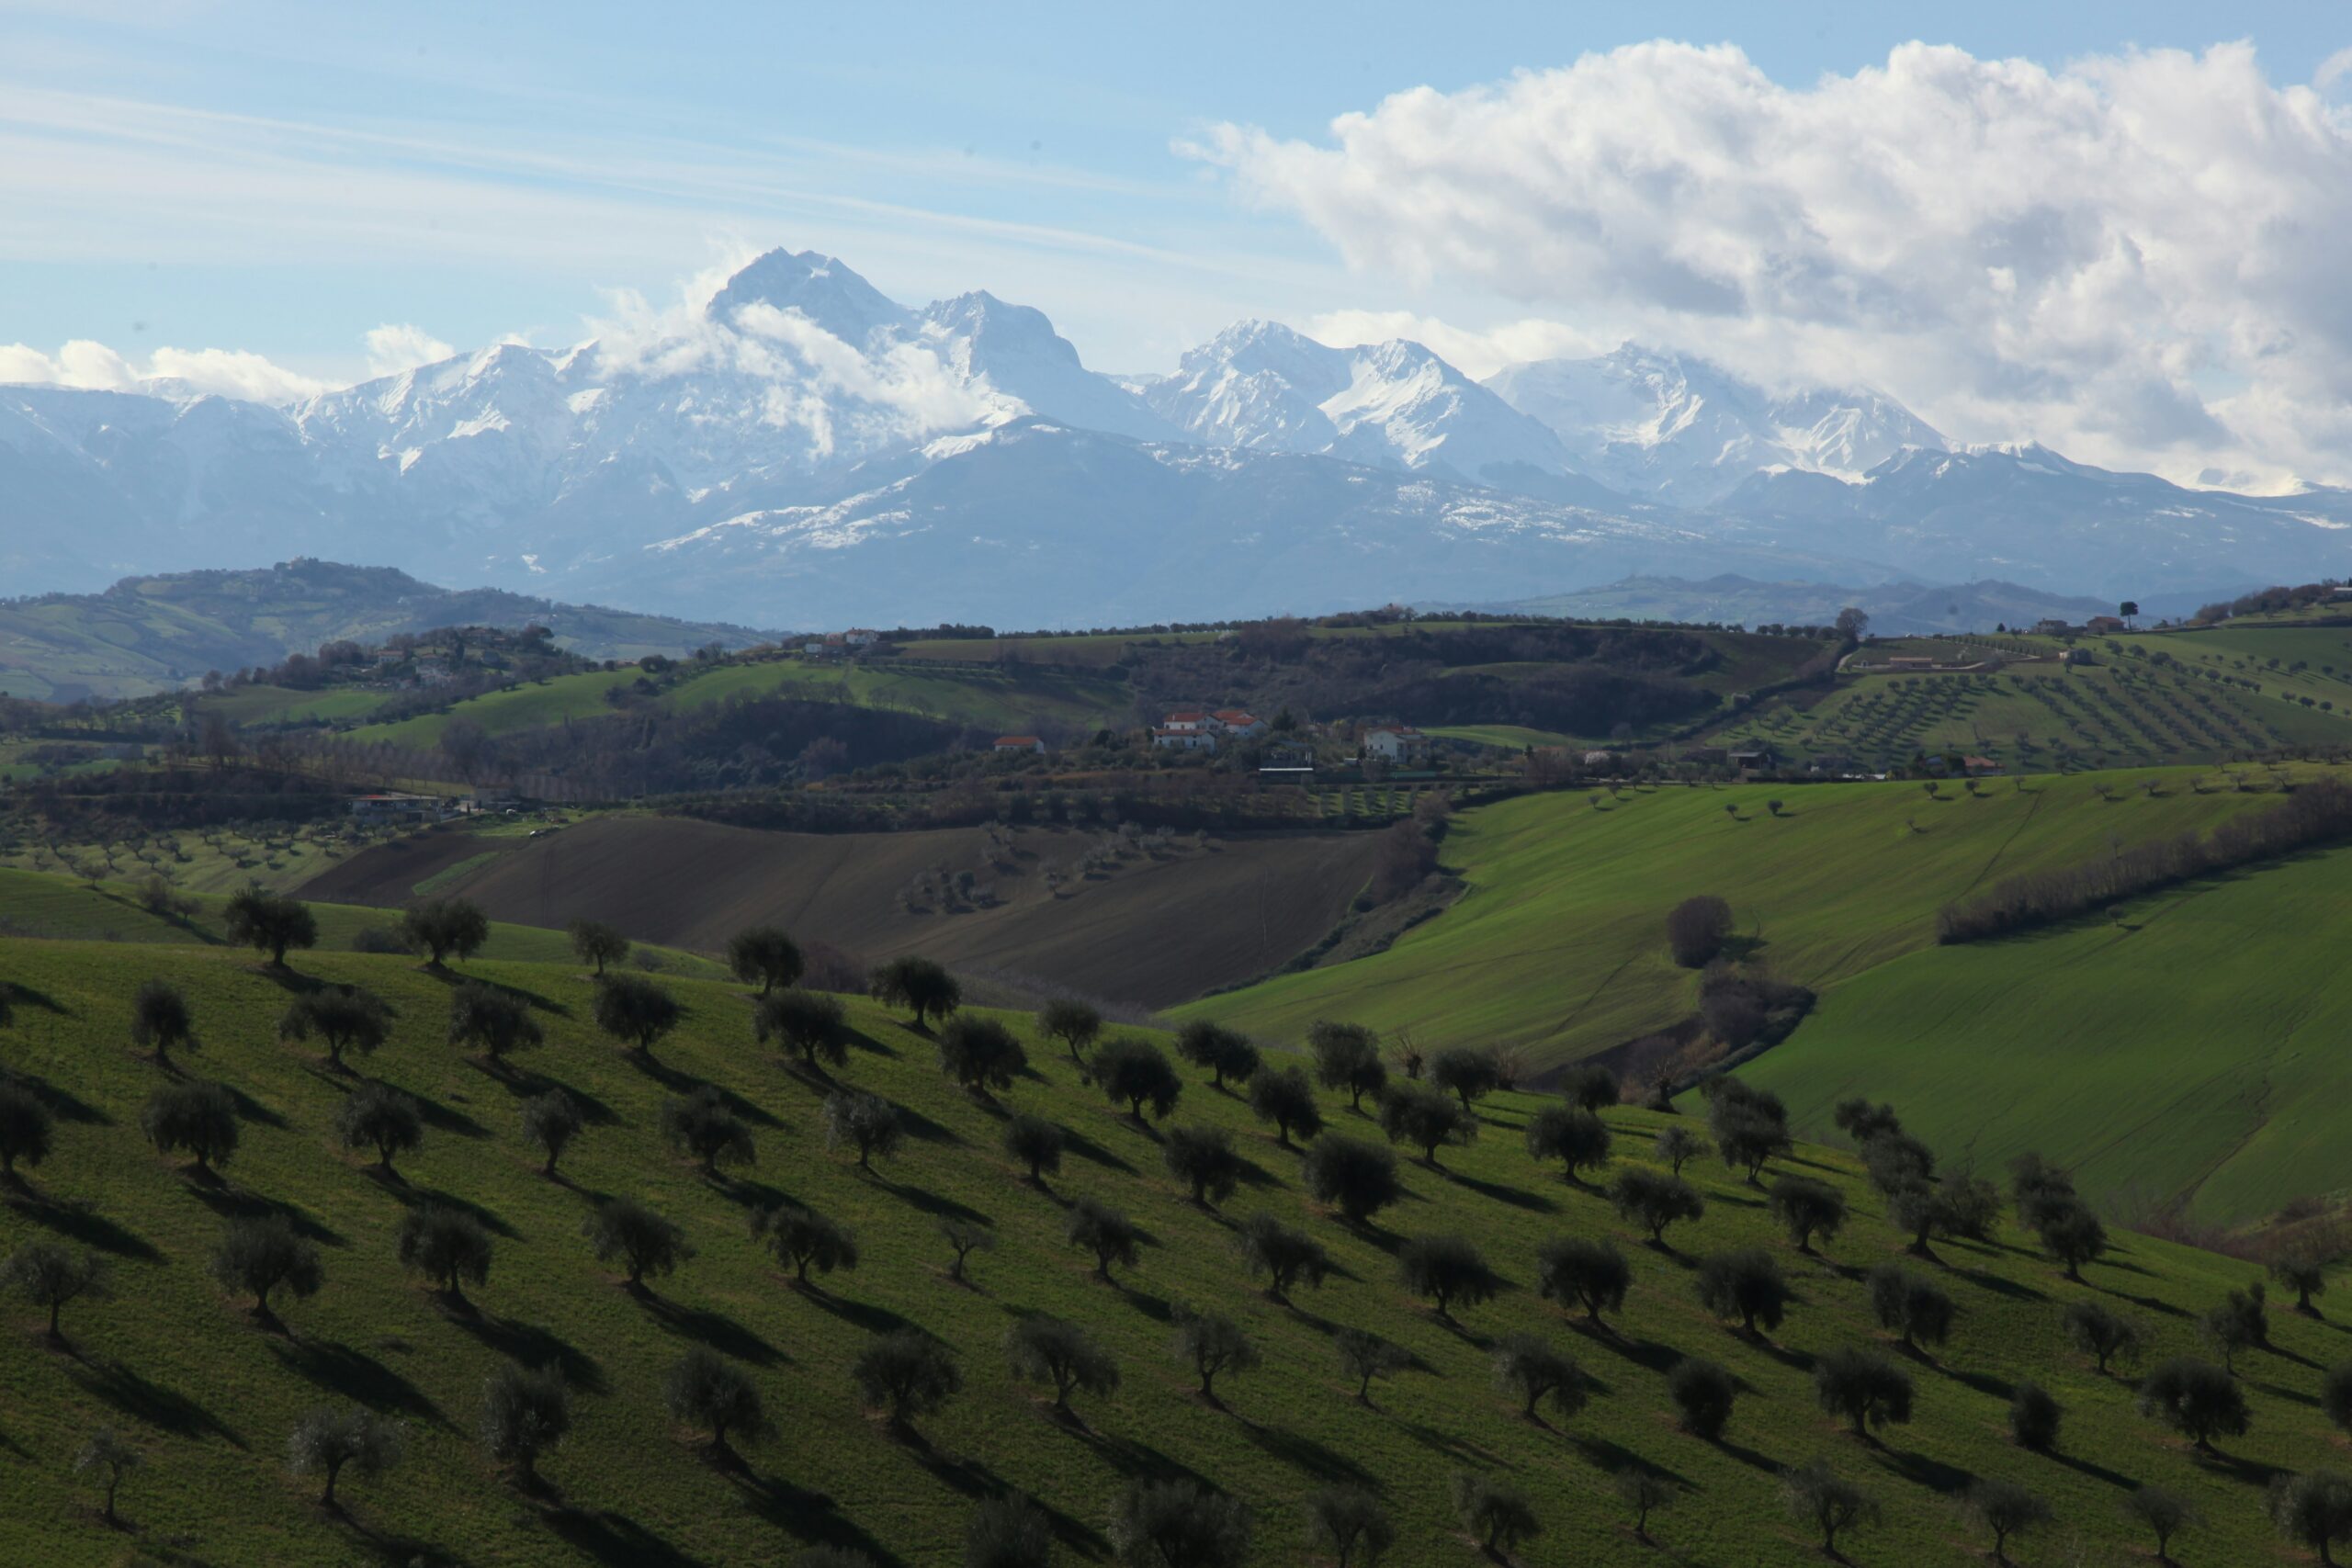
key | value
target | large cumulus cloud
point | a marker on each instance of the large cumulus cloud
(2142, 257)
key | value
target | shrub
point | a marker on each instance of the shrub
(447, 1245)
(1280, 1255)
(1203, 1159)
(1347, 1057)
(1807, 1208)
(198, 1119)
(1212, 1345)
(551, 1121)
(1055, 1351)
(1176, 1524)
(1225, 1053)
(1446, 1269)
(1533, 1369)
(1105, 1232)
(1356, 1178)
(1703, 1395)
(1577, 1139)
(2034, 1417)
(980, 1055)
(1585, 1273)
(526, 1414)
(1498, 1516)
(627, 1232)
(380, 1117)
(866, 1122)
(345, 1017)
(1133, 1072)
(1286, 1100)
(803, 1239)
(1654, 1199)
(1747, 1285)
(706, 1390)
(810, 1023)
(908, 1374)
(328, 1441)
(1696, 929)
(1425, 1119)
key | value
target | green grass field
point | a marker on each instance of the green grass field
(245, 705)
(209, 1396)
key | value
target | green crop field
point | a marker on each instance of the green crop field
(208, 1395)
(1510, 737)
(2189, 1049)
(258, 704)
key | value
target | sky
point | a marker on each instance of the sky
(2117, 229)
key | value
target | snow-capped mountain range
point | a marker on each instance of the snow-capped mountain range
(803, 450)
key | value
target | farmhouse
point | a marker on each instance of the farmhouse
(1018, 743)
(1189, 721)
(1287, 757)
(1170, 737)
(1761, 760)
(1396, 743)
(1238, 722)
(394, 807)
(2104, 626)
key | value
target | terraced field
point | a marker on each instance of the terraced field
(208, 1395)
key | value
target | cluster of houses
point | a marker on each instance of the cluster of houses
(1199, 729)
(398, 807)
(839, 644)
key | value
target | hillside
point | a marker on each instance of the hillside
(1152, 925)
(156, 634)
(207, 1396)
(1896, 609)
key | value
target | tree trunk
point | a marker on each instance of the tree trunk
(334, 1469)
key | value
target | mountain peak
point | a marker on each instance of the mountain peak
(819, 286)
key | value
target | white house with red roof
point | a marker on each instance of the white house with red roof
(1020, 743)
(1396, 743)
(1238, 722)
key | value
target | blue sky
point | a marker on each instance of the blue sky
(278, 180)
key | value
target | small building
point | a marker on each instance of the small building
(1029, 743)
(397, 808)
(1396, 743)
(2104, 626)
(1172, 738)
(1190, 721)
(1238, 722)
(1755, 761)
(1980, 765)
(2052, 629)
(1292, 758)
(861, 636)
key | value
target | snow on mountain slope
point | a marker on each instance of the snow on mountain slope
(1682, 430)
(1261, 385)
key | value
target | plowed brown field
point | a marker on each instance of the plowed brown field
(1155, 932)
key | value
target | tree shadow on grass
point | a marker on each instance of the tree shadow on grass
(1517, 1196)
(1647, 1354)
(2000, 1285)
(929, 1202)
(535, 1345)
(395, 1550)
(1077, 1143)
(2116, 1478)
(352, 1374)
(614, 1539)
(442, 1118)
(1609, 1458)
(808, 1517)
(243, 1203)
(1454, 1446)
(860, 1040)
(79, 1221)
(433, 1198)
(2147, 1303)
(143, 1399)
(1311, 1457)
(713, 1328)
(917, 1126)
(524, 1085)
(1921, 1471)
(865, 1315)
(61, 1103)
(251, 1109)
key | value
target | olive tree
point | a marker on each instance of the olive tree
(1133, 1072)
(1426, 1120)
(980, 1055)
(2239, 1321)
(525, 1414)
(803, 1239)
(1588, 1085)
(810, 1023)
(1212, 1345)
(1225, 1053)
(111, 1459)
(1466, 1073)
(1075, 1023)
(1918, 1310)
(964, 1237)
(262, 1255)
(706, 1391)
(329, 1440)
(705, 1125)
(1498, 1517)
(1280, 1255)
(921, 986)
(1009, 1532)
(346, 1017)
(2034, 1418)
(1105, 1232)
(763, 955)
(1864, 1387)
(1532, 1369)
(1203, 1159)
(198, 1119)
(1679, 1147)
(1447, 1269)
(593, 942)
(1036, 1143)
(440, 927)
(1703, 1395)
(1353, 1177)
(1364, 1356)
(161, 1021)
(380, 1117)
(1697, 928)
(627, 1232)
(49, 1276)
(269, 923)
(1286, 1100)
(1817, 1495)
(1807, 1208)
(1644, 1490)
(2164, 1512)
(2101, 1333)
(2304, 1270)
(1750, 1126)
(1580, 1271)
(1654, 1199)
(551, 1121)
(866, 1122)
(2196, 1399)
(1060, 1353)
(1349, 1523)
(908, 1374)
(635, 1011)
(493, 1022)
(1577, 1139)
(1746, 1284)
(1347, 1058)
(448, 1246)
(26, 1130)
(2313, 1510)
(1178, 1524)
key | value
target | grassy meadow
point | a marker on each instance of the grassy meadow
(208, 1395)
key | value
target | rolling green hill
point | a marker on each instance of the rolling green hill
(208, 1395)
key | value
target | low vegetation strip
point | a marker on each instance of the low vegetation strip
(2318, 813)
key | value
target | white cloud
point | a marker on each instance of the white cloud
(231, 372)
(2138, 257)
(394, 348)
